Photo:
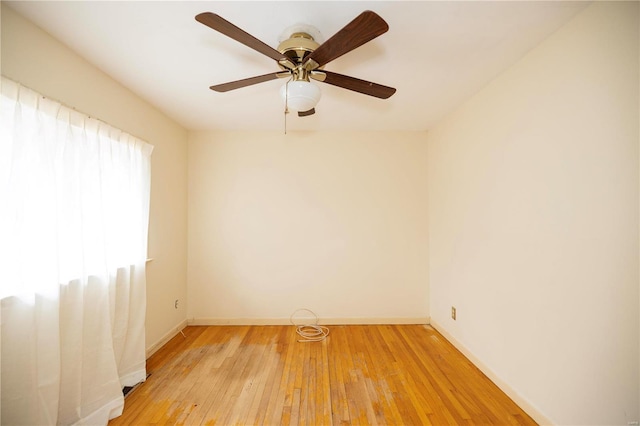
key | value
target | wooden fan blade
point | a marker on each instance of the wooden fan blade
(225, 87)
(225, 27)
(306, 113)
(357, 85)
(365, 27)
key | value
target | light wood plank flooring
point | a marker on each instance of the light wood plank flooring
(375, 374)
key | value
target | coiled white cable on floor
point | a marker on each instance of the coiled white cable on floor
(310, 332)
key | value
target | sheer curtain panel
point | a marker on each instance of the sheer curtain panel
(74, 215)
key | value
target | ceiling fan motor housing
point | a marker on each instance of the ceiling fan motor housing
(298, 46)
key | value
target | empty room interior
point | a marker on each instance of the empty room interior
(467, 223)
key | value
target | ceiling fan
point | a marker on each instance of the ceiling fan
(301, 58)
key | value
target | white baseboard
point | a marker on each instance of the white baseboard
(164, 339)
(323, 321)
(506, 388)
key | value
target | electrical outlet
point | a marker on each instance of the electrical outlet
(453, 313)
(176, 304)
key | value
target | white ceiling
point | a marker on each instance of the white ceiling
(436, 54)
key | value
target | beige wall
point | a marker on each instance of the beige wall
(533, 222)
(330, 221)
(36, 60)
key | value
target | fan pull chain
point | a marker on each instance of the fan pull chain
(285, 120)
(286, 104)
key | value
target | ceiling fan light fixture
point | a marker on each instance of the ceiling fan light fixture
(300, 95)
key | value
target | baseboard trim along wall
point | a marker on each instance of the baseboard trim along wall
(323, 321)
(164, 339)
(511, 393)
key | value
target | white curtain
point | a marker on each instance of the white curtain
(74, 208)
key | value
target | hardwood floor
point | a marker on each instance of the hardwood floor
(377, 374)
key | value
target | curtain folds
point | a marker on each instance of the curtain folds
(74, 217)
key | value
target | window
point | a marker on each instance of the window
(73, 242)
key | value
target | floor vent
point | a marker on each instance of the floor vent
(127, 389)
